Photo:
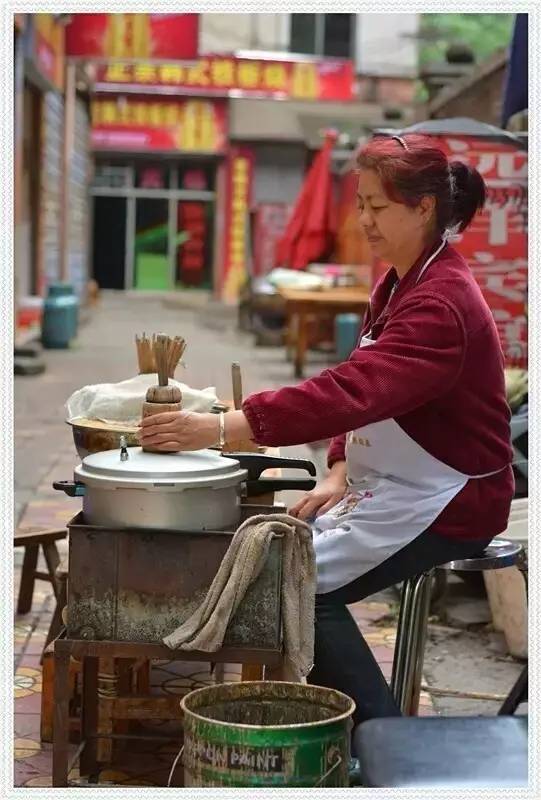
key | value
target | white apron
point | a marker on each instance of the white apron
(396, 490)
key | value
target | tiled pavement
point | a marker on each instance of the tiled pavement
(146, 764)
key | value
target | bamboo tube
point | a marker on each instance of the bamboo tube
(163, 397)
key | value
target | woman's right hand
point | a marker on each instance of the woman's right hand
(326, 494)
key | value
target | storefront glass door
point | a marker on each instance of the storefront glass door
(151, 245)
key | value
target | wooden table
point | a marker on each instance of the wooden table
(302, 305)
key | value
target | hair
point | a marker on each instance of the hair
(412, 167)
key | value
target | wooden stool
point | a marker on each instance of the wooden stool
(32, 538)
(47, 695)
(92, 654)
(57, 623)
(133, 676)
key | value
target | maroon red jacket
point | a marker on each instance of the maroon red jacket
(437, 369)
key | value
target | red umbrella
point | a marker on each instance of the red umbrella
(310, 231)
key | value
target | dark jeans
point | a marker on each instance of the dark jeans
(342, 659)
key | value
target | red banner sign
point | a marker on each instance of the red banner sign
(239, 193)
(191, 218)
(49, 48)
(142, 124)
(496, 243)
(325, 79)
(133, 36)
(270, 225)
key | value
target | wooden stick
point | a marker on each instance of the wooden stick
(237, 385)
(434, 690)
(161, 359)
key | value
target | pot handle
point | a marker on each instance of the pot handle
(71, 488)
(256, 463)
(264, 485)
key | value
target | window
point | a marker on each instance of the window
(322, 34)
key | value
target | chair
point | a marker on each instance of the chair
(443, 752)
(413, 618)
(32, 538)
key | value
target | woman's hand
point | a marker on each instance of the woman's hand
(173, 431)
(326, 494)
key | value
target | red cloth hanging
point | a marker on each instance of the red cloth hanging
(311, 228)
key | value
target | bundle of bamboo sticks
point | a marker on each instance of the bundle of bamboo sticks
(147, 347)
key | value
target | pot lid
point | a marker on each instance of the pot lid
(184, 470)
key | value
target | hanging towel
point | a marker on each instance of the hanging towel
(205, 629)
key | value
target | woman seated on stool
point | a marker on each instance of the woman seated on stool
(419, 464)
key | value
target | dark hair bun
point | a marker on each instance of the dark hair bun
(468, 193)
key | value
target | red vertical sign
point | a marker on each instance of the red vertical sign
(239, 197)
(496, 243)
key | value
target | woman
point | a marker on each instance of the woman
(419, 466)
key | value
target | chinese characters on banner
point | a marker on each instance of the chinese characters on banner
(270, 225)
(148, 124)
(325, 79)
(496, 243)
(239, 190)
(133, 36)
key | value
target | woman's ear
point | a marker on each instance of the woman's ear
(427, 207)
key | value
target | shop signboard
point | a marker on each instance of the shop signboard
(45, 48)
(125, 36)
(495, 245)
(228, 76)
(239, 178)
(269, 226)
(145, 124)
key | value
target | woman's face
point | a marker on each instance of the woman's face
(391, 228)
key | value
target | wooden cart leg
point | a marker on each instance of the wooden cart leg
(26, 588)
(124, 688)
(52, 559)
(47, 697)
(275, 673)
(61, 713)
(56, 622)
(107, 691)
(252, 672)
(302, 344)
(88, 764)
(290, 335)
(142, 677)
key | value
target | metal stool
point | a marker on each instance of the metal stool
(413, 618)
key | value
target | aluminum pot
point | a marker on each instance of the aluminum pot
(190, 491)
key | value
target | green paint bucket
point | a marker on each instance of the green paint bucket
(266, 733)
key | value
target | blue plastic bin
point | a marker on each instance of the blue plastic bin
(60, 317)
(347, 329)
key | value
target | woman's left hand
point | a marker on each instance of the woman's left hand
(173, 431)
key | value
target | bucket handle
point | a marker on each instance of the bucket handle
(318, 783)
(173, 768)
(329, 771)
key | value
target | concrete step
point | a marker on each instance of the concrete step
(28, 365)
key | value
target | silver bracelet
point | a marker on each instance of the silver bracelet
(222, 429)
